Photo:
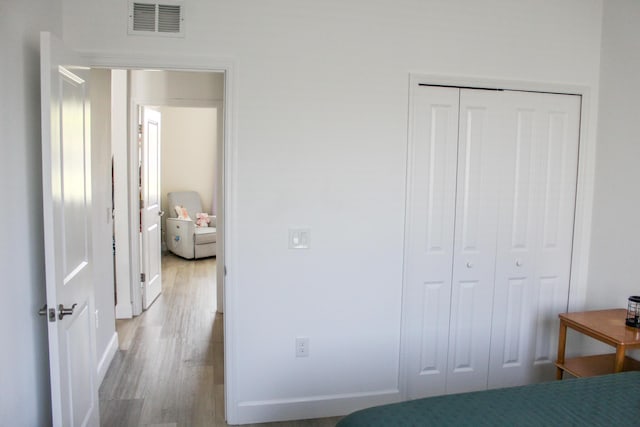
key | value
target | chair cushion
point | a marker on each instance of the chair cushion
(205, 235)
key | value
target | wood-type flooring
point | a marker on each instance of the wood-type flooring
(169, 371)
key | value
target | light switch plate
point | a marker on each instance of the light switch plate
(299, 238)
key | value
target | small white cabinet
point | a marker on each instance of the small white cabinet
(490, 203)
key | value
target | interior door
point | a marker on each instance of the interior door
(476, 218)
(66, 173)
(535, 235)
(429, 235)
(150, 212)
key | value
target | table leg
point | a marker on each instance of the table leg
(562, 341)
(619, 359)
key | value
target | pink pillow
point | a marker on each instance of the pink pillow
(203, 219)
(182, 213)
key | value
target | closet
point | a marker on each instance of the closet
(488, 239)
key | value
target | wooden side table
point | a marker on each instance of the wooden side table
(606, 326)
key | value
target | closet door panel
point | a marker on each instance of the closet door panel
(429, 238)
(534, 233)
(560, 123)
(489, 228)
(517, 236)
(474, 241)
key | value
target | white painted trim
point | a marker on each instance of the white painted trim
(119, 144)
(584, 190)
(403, 357)
(219, 202)
(135, 237)
(231, 274)
(107, 357)
(312, 407)
(183, 102)
(229, 184)
(584, 205)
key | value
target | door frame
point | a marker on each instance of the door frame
(584, 186)
(135, 104)
(226, 252)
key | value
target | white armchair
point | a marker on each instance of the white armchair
(184, 237)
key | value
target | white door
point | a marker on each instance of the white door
(476, 216)
(489, 230)
(150, 213)
(429, 239)
(66, 173)
(535, 234)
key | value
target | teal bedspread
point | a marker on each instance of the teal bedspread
(609, 400)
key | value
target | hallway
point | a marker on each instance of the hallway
(169, 371)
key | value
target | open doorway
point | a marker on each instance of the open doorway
(191, 105)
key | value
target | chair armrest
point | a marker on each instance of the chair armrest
(182, 223)
(180, 237)
(180, 230)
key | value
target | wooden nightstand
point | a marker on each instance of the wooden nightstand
(606, 326)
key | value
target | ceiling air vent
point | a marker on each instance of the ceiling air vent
(156, 19)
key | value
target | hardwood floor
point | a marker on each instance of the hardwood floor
(169, 371)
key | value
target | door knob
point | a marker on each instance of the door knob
(65, 311)
(518, 263)
(161, 213)
(469, 264)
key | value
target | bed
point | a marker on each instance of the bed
(608, 400)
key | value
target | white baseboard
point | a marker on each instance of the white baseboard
(107, 357)
(310, 407)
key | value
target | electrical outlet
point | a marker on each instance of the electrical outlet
(302, 347)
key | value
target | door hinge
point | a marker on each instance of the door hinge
(140, 129)
(225, 270)
(143, 277)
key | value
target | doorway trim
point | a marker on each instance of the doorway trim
(584, 186)
(226, 256)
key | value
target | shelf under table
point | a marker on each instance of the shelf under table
(601, 364)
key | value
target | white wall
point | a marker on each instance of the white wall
(321, 120)
(24, 376)
(187, 89)
(189, 154)
(616, 232)
(102, 231)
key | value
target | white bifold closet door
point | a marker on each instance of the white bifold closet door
(492, 177)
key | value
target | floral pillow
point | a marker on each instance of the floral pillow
(203, 219)
(182, 213)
